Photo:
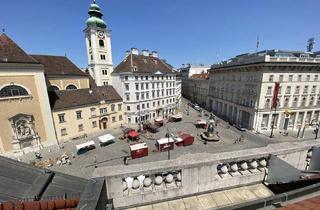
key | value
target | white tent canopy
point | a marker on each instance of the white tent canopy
(106, 138)
(84, 145)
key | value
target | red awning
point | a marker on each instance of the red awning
(133, 134)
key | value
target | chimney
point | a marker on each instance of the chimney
(145, 52)
(134, 51)
(154, 54)
(127, 53)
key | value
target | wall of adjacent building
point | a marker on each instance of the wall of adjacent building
(63, 82)
(71, 123)
(30, 77)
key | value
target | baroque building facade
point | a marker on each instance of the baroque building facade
(241, 90)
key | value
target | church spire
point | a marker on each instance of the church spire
(95, 18)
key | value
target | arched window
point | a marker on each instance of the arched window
(295, 102)
(53, 88)
(286, 102)
(71, 87)
(112, 107)
(101, 43)
(13, 90)
(303, 102)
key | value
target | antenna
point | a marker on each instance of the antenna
(258, 43)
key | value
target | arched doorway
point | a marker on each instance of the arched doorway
(104, 123)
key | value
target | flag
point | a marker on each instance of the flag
(275, 94)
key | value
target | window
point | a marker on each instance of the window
(80, 127)
(104, 72)
(127, 97)
(286, 102)
(147, 95)
(308, 78)
(152, 77)
(267, 104)
(141, 77)
(280, 78)
(305, 90)
(147, 77)
(303, 101)
(13, 90)
(142, 86)
(154, 104)
(120, 118)
(290, 78)
(112, 107)
(103, 111)
(143, 106)
(126, 78)
(94, 124)
(113, 119)
(297, 90)
(71, 87)
(127, 86)
(152, 85)
(299, 78)
(316, 77)
(93, 112)
(136, 77)
(128, 108)
(138, 107)
(79, 113)
(129, 120)
(119, 107)
(102, 57)
(313, 89)
(269, 91)
(142, 96)
(53, 88)
(63, 132)
(137, 86)
(318, 102)
(288, 90)
(89, 42)
(147, 86)
(61, 118)
(295, 102)
(311, 102)
(147, 105)
(105, 83)
(101, 43)
(271, 78)
(137, 97)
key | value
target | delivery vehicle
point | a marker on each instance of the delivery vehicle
(175, 118)
(184, 139)
(106, 140)
(84, 147)
(165, 144)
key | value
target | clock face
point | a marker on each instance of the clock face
(101, 34)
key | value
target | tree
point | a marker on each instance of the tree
(310, 44)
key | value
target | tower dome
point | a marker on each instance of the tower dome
(95, 18)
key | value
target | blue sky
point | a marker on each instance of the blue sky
(182, 31)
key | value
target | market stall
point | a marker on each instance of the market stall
(187, 139)
(133, 135)
(165, 144)
(201, 124)
(82, 148)
(106, 140)
(175, 118)
(138, 150)
(158, 121)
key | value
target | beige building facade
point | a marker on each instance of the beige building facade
(25, 118)
(241, 90)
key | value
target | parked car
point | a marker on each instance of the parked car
(239, 127)
(198, 108)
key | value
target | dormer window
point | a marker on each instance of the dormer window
(101, 43)
(135, 68)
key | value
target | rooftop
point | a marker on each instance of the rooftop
(10, 52)
(271, 56)
(200, 76)
(66, 99)
(135, 63)
(58, 65)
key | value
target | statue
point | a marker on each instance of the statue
(210, 134)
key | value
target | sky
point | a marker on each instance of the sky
(182, 31)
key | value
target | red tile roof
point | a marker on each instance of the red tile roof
(311, 203)
(58, 65)
(144, 64)
(200, 76)
(10, 52)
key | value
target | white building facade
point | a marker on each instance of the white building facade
(242, 88)
(98, 43)
(147, 85)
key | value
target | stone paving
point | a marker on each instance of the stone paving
(83, 165)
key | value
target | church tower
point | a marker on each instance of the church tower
(98, 44)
